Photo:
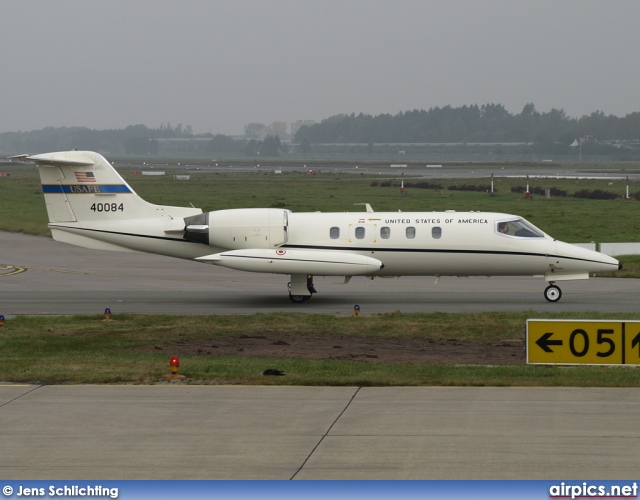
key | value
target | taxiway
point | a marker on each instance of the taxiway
(42, 276)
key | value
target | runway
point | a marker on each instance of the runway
(470, 170)
(41, 276)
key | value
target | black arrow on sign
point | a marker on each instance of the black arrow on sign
(635, 341)
(544, 342)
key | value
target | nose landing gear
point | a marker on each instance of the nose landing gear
(552, 293)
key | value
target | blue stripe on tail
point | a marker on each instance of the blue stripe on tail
(86, 188)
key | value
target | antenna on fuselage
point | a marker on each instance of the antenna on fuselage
(367, 206)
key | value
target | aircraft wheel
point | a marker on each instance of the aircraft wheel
(552, 293)
(299, 299)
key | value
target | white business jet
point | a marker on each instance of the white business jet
(89, 204)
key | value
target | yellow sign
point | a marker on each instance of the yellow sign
(587, 342)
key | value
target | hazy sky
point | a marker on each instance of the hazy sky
(217, 65)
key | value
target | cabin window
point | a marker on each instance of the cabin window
(334, 233)
(385, 233)
(519, 228)
(436, 233)
(410, 232)
(359, 233)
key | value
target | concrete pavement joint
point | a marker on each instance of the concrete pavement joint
(21, 395)
(326, 433)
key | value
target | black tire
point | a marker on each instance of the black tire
(552, 293)
(299, 299)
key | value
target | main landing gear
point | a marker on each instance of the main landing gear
(301, 288)
(552, 293)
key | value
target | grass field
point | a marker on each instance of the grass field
(133, 349)
(570, 219)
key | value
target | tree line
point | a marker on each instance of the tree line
(550, 132)
(137, 140)
(134, 139)
(465, 124)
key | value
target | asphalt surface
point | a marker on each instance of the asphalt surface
(173, 431)
(225, 432)
(41, 276)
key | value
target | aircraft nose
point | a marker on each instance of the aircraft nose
(619, 266)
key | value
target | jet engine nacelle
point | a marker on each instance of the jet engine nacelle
(239, 228)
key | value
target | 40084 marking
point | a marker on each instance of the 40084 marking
(8, 270)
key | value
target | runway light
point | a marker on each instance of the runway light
(174, 363)
(356, 309)
(1, 320)
(107, 313)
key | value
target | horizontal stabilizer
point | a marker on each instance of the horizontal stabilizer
(58, 160)
(283, 261)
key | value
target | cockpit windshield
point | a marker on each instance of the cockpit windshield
(519, 228)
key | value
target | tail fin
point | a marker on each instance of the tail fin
(82, 186)
(89, 204)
